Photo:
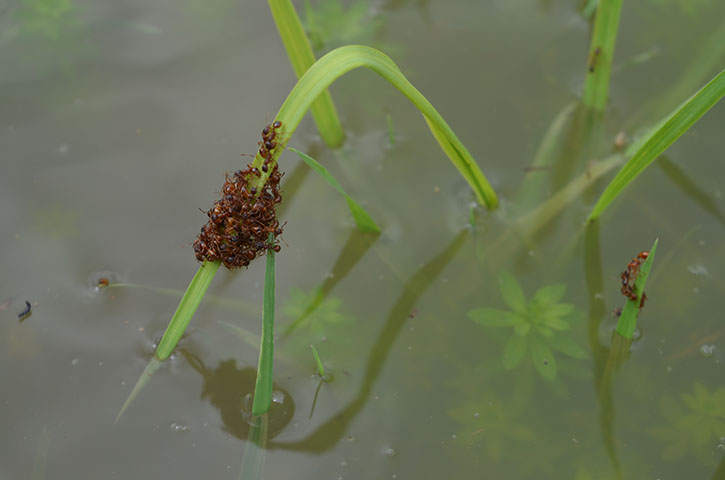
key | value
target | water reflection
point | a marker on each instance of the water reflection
(229, 389)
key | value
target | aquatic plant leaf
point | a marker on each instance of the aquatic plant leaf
(660, 138)
(566, 345)
(302, 57)
(512, 293)
(547, 296)
(522, 327)
(340, 61)
(628, 319)
(514, 351)
(560, 310)
(554, 322)
(544, 360)
(263, 386)
(491, 317)
(316, 312)
(364, 222)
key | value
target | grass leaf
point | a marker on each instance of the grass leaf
(153, 365)
(660, 138)
(302, 57)
(263, 386)
(601, 52)
(340, 61)
(318, 362)
(628, 319)
(186, 309)
(363, 221)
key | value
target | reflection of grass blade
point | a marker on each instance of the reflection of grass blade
(301, 57)
(187, 306)
(363, 221)
(263, 387)
(628, 319)
(254, 450)
(660, 138)
(153, 365)
(601, 52)
(689, 187)
(340, 61)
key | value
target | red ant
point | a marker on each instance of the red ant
(629, 277)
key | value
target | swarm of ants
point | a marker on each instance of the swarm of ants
(630, 275)
(242, 219)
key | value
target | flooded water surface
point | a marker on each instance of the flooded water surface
(459, 343)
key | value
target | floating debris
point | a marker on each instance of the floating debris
(27, 311)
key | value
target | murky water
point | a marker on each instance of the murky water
(117, 123)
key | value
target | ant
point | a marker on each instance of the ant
(593, 61)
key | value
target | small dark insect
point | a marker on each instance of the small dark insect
(413, 313)
(277, 124)
(103, 282)
(26, 311)
(593, 60)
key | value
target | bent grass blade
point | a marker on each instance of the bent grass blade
(647, 149)
(344, 59)
(364, 222)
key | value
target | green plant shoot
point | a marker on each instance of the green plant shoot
(628, 319)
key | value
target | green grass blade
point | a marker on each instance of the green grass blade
(660, 138)
(302, 57)
(628, 319)
(153, 365)
(364, 222)
(263, 386)
(320, 367)
(186, 309)
(601, 52)
(340, 61)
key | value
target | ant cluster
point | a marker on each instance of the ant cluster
(242, 219)
(629, 276)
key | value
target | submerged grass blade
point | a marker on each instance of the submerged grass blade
(263, 386)
(601, 52)
(647, 149)
(153, 365)
(302, 57)
(364, 222)
(186, 309)
(320, 367)
(340, 61)
(628, 319)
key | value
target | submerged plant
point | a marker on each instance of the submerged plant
(538, 326)
(317, 312)
(493, 423)
(695, 427)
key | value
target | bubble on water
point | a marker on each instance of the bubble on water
(389, 452)
(637, 334)
(178, 427)
(63, 149)
(278, 397)
(343, 464)
(707, 350)
(476, 415)
(698, 269)
(350, 438)
(75, 362)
